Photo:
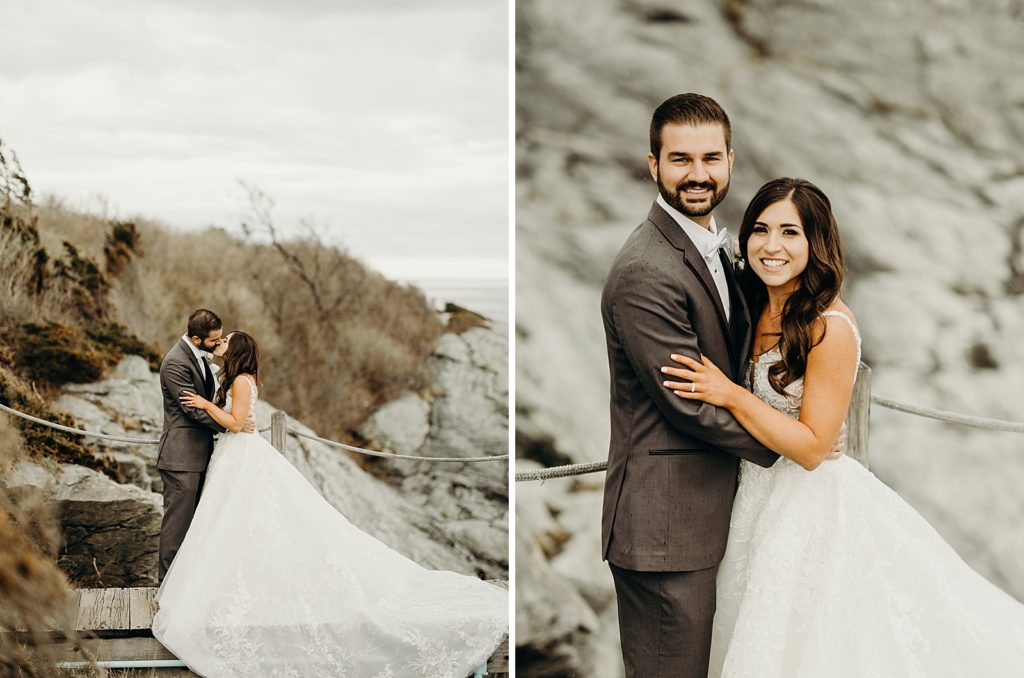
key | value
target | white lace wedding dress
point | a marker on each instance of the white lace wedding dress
(831, 574)
(271, 580)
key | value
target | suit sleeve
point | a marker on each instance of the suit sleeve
(652, 323)
(176, 377)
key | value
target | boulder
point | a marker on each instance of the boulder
(111, 530)
(401, 424)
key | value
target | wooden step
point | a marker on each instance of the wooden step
(113, 613)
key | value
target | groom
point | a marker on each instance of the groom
(187, 438)
(672, 463)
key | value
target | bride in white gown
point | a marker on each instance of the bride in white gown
(271, 580)
(827, 571)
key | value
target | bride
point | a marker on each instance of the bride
(271, 580)
(830, 572)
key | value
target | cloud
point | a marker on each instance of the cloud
(388, 125)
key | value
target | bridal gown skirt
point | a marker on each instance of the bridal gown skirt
(271, 580)
(831, 574)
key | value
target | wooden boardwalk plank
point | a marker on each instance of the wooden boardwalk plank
(102, 610)
(108, 649)
(141, 608)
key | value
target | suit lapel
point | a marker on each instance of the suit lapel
(694, 260)
(197, 368)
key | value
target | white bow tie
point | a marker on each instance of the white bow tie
(720, 241)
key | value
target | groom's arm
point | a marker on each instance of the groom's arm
(652, 323)
(177, 379)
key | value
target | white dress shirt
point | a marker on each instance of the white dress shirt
(198, 354)
(702, 238)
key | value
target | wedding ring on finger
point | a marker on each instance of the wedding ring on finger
(693, 387)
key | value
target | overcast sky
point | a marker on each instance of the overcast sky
(384, 123)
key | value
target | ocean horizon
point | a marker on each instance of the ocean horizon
(486, 296)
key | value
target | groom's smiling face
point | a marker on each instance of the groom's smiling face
(693, 169)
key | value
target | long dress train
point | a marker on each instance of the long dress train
(271, 580)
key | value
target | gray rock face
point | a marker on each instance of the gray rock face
(111, 531)
(468, 417)
(566, 620)
(454, 518)
(908, 115)
(403, 423)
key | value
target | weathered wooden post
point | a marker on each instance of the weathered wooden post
(858, 416)
(278, 435)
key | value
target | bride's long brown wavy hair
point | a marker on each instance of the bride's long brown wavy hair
(819, 284)
(242, 357)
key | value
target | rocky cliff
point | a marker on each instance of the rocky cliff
(910, 115)
(452, 518)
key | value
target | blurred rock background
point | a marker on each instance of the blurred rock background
(910, 115)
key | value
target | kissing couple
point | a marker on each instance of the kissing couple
(742, 542)
(260, 575)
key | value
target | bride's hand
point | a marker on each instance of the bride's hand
(704, 381)
(194, 400)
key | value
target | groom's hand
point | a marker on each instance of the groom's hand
(839, 446)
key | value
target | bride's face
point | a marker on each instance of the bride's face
(222, 347)
(777, 249)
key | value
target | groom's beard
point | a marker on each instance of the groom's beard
(677, 197)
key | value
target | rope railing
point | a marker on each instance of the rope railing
(387, 455)
(77, 431)
(947, 416)
(555, 471)
(325, 441)
(882, 401)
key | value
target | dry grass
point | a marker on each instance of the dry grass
(327, 371)
(34, 593)
(17, 303)
(337, 339)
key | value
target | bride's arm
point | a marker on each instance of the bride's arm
(234, 420)
(828, 386)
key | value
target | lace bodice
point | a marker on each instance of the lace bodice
(791, 402)
(252, 399)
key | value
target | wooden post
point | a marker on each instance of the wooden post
(858, 416)
(278, 436)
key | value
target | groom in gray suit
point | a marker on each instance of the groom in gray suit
(186, 442)
(672, 463)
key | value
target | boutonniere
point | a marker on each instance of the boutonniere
(738, 263)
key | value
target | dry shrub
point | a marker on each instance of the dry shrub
(35, 597)
(122, 245)
(57, 353)
(18, 302)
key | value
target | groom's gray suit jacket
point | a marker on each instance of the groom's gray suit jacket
(186, 442)
(672, 463)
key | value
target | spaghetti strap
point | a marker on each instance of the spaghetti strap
(856, 332)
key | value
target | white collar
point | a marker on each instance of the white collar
(700, 236)
(195, 350)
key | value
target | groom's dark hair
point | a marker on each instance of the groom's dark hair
(688, 109)
(202, 322)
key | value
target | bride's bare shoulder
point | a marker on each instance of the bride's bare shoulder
(820, 332)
